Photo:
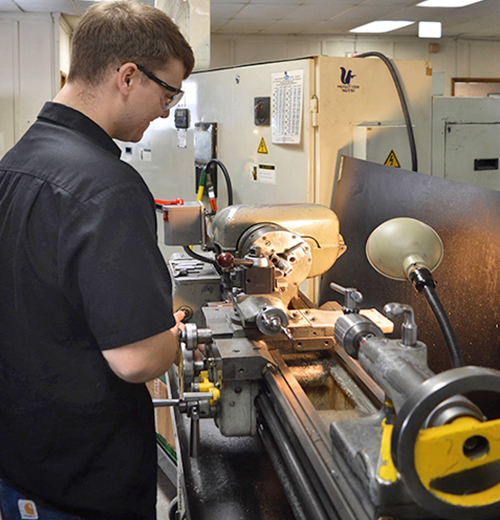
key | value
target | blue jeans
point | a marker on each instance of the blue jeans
(15, 506)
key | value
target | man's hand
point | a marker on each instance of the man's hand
(179, 316)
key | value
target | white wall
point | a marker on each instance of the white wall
(29, 53)
(456, 58)
(65, 33)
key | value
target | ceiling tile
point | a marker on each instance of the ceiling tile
(47, 6)
(278, 2)
(246, 26)
(7, 6)
(309, 13)
(226, 10)
(481, 20)
(265, 11)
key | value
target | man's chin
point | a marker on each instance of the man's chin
(131, 139)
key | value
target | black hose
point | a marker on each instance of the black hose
(202, 258)
(402, 99)
(457, 358)
(226, 176)
(187, 249)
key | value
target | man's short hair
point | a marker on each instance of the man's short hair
(112, 33)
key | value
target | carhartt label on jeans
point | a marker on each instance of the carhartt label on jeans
(27, 508)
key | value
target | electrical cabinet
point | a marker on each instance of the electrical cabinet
(295, 157)
(465, 137)
(382, 143)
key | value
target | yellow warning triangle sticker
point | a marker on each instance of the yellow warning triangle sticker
(262, 147)
(392, 160)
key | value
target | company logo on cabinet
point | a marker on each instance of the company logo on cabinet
(346, 77)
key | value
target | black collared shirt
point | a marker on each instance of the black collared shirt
(80, 272)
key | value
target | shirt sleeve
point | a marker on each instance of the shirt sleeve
(111, 268)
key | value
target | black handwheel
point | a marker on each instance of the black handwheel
(451, 470)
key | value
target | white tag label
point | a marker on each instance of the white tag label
(146, 154)
(265, 173)
(27, 508)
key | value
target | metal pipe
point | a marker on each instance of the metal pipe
(310, 499)
(282, 472)
(194, 434)
(187, 397)
(158, 403)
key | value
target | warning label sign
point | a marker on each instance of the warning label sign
(265, 173)
(392, 160)
(262, 147)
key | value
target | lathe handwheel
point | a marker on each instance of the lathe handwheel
(185, 368)
(439, 499)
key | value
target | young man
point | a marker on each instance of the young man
(85, 298)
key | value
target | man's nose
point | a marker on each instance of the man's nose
(165, 114)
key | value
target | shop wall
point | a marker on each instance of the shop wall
(456, 57)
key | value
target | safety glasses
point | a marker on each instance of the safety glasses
(174, 95)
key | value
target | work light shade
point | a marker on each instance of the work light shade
(400, 245)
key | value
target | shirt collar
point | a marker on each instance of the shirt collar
(71, 118)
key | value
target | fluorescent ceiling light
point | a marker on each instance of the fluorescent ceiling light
(447, 3)
(381, 26)
(429, 29)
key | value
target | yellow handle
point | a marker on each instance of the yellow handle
(449, 450)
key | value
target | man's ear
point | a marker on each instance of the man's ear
(127, 74)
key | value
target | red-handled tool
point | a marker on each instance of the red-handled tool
(176, 202)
